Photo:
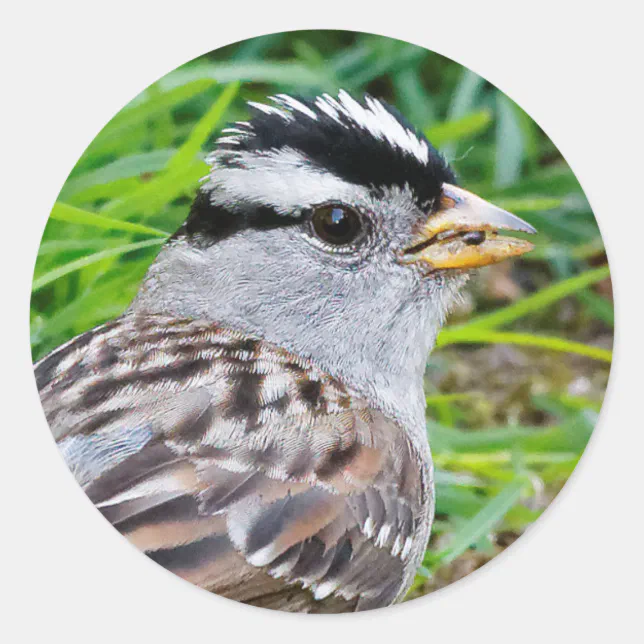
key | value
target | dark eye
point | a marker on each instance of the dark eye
(337, 225)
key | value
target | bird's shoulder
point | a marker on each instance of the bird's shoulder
(153, 357)
(238, 465)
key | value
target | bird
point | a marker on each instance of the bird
(255, 421)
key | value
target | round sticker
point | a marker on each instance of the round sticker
(321, 321)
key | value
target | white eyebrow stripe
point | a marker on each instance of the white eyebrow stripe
(282, 179)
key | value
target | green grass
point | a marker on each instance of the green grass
(133, 185)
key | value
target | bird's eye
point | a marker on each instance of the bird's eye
(337, 225)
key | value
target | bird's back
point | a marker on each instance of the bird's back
(238, 465)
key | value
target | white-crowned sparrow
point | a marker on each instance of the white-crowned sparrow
(255, 422)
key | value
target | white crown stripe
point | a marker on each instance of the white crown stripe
(372, 117)
(269, 109)
(290, 102)
(230, 140)
(327, 108)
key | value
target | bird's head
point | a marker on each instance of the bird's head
(334, 229)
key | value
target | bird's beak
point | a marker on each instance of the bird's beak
(463, 233)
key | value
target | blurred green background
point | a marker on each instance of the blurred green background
(516, 382)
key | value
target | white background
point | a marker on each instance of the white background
(68, 67)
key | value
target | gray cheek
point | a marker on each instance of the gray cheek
(372, 326)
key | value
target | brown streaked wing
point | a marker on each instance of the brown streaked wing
(237, 465)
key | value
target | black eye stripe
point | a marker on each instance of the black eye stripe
(209, 223)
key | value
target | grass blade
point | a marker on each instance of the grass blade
(153, 195)
(412, 97)
(599, 306)
(83, 262)
(536, 302)
(458, 129)
(73, 215)
(132, 166)
(141, 109)
(478, 336)
(466, 94)
(56, 246)
(510, 147)
(204, 128)
(281, 73)
(482, 523)
(570, 436)
(529, 204)
(464, 99)
(183, 171)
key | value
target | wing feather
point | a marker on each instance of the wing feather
(237, 465)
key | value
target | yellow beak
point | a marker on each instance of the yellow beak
(463, 233)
